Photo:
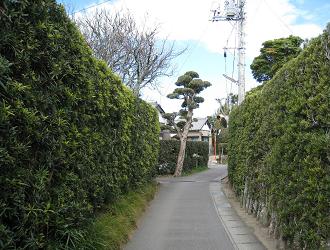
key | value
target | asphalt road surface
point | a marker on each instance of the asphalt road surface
(182, 216)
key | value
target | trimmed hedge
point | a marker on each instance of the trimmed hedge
(168, 155)
(73, 137)
(279, 148)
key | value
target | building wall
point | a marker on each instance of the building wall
(198, 136)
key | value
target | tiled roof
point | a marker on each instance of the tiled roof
(199, 124)
(158, 107)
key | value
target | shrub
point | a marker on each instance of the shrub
(279, 148)
(73, 137)
(168, 155)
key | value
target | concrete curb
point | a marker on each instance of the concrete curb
(214, 193)
(239, 234)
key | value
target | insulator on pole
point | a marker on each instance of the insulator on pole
(225, 54)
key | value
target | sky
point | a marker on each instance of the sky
(187, 24)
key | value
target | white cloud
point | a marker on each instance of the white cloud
(275, 19)
(189, 20)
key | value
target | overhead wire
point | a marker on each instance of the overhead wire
(226, 81)
(225, 55)
(205, 28)
(256, 10)
(278, 17)
(233, 57)
(230, 34)
(234, 60)
(194, 47)
(226, 48)
(89, 7)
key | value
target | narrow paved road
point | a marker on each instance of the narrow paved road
(182, 216)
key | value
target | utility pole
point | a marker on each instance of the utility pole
(241, 53)
(232, 11)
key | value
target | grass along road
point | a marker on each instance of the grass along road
(112, 228)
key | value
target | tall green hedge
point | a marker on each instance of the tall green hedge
(72, 136)
(168, 155)
(279, 148)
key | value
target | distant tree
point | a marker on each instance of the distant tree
(190, 85)
(226, 104)
(219, 120)
(132, 51)
(273, 55)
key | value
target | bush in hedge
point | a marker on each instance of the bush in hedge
(222, 141)
(279, 153)
(73, 137)
(196, 152)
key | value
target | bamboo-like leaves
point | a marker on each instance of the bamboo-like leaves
(279, 147)
(73, 137)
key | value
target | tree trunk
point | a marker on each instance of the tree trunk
(179, 164)
(183, 143)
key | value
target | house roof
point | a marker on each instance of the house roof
(158, 107)
(198, 124)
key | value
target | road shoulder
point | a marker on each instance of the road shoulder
(240, 234)
(260, 231)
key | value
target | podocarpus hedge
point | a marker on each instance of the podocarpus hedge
(72, 136)
(279, 149)
(197, 153)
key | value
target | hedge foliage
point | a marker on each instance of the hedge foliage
(72, 136)
(279, 147)
(168, 155)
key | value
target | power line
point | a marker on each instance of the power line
(234, 58)
(278, 17)
(191, 51)
(89, 7)
(256, 10)
(234, 27)
(234, 11)
(226, 82)
(197, 44)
